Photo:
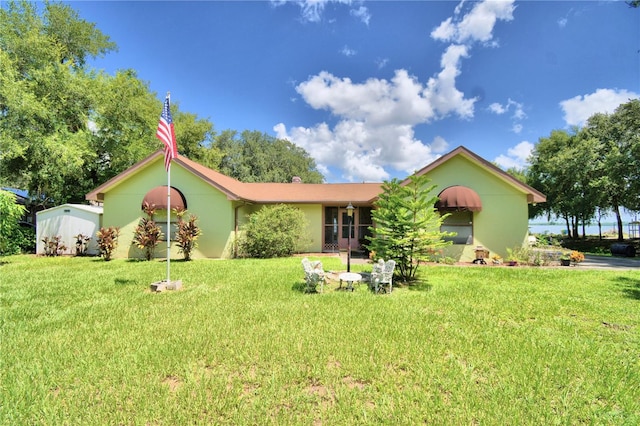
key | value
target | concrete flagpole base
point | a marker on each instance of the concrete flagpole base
(159, 286)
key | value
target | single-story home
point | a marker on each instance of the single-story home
(489, 207)
(67, 221)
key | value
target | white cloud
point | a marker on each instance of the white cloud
(381, 63)
(360, 152)
(511, 105)
(313, 10)
(347, 51)
(375, 118)
(477, 25)
(516, 157)
(362, 13)
(496, 108)
(562, 22)
(439, 144)
(578, 109)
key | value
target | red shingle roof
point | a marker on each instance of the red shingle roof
(266, 193)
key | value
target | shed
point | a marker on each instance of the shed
(67, 221)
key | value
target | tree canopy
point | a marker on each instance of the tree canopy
(66, 128)
(592, 170)
(253, 156)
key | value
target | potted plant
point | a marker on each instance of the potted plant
(496, 259)
(512, 257)
(565, 259)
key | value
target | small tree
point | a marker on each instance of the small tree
(274, 231)
(188, 233)
(107, 239)
(147, 235)
(407, 225)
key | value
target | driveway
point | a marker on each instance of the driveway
(610, 262)
(590, 262)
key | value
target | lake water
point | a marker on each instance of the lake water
(547, 228)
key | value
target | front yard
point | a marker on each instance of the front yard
(83, 341)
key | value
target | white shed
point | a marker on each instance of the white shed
(67, 221)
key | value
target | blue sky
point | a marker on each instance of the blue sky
(377, 89)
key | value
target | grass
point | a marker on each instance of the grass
(84, 341)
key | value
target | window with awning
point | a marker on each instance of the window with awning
(158, 197)
(460, 202)
(458, 198)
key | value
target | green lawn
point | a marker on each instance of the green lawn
(84, 341)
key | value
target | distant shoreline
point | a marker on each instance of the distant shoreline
(556, 228)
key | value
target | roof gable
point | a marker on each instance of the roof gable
(533, 195)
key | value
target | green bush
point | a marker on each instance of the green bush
(274, 231)
(10, 214)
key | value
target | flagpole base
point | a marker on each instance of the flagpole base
(159, 286)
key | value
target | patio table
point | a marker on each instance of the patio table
(350, 278)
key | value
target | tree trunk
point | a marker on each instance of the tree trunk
(566, 220)
(616, 209)
(599, 224)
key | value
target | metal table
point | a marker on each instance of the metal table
(349, 278)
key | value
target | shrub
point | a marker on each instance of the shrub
(26, 239)
(274, 231)
(147, 235)
(576, 256)
(107, 239)
(53, 246)
(188, 233)
(10, 214)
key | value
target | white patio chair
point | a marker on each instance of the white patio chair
(382, 276)
(313, 275)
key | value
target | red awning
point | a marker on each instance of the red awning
(458, 198)
(158, 196)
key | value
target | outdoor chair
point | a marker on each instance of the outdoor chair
(313, 275)
(382, 276)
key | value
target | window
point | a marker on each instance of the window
(160, 218)
(460, 222)
(364, 222)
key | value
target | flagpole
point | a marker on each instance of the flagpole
(169, 215)
(169, 225)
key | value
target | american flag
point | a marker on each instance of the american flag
(167, 134)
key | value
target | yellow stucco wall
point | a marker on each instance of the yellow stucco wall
(214, 211)
(503, 221)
